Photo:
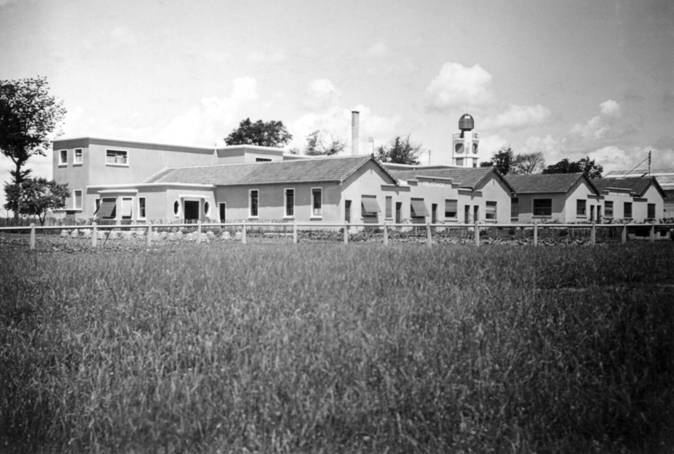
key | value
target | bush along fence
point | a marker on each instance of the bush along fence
(478, 234)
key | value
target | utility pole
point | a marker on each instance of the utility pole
(649, 163)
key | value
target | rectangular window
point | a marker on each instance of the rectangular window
(107, 208)
(141, 207)
(369, 206)
(77, 157)
(127, 207)
(77, 199)
(389, 207)
(347, 210)
(514, 208)
(418, 208)
(459, 162)
(117, 157)
(651, 211)
(450, 208)
(253, 200)
(63, 157)
(262, 160)
(289, 203)
(542, 207)
(608, 209)
(316, 202)
(490, 211)
(628, 210)
(581, 208)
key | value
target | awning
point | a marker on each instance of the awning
(418, 208)
(106, 209)
(369, 206)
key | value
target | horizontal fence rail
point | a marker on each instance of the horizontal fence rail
(477, 233)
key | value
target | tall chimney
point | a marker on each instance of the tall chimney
(354, 132)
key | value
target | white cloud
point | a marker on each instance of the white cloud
(610, 108)
(321, 94)
(553, 149)
(267, 57)
(458, 86)
(517, 117)
(490, 144)
(599, 126)
(122, 36)
(378, 50)
(616, 158)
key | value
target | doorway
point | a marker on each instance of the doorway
(223, 212)
(347, 210)
(466, 214)
(191, 210)
(434, 213)
(476, 213)
(399, 212)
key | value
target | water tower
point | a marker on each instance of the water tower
(465, 143)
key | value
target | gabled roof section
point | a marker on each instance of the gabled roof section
(549, 183)
(471, 178)
(636, 185)
(332, 169)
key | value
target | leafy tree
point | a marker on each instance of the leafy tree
(586, 165)
(400, 151)
(527, 163)
(267, 134)
(503, 160)
(35, 197)
(317, 145)
(28, 114)
(486, 164)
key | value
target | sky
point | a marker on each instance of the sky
(567, 78)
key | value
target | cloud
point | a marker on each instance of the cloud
(491, 144)
(599, 126)
(615, 158)
(267, 57)
(378, 50)
(517, 117)
(458, 86)
(321, 94)
(122, 36)
(610, 108)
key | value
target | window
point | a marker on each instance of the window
(63, 157)
(369, 206)
(347, 210)
(450, 208)
(459, 162)
(77, 157)
(77, 199)
(389, 207)
(223, 211)
(651, 211)
(141, 207)
(253, 200)
(628, 210)
(316, 202)
(542, 207)
(418, 208)
(581, 208)
(608, 209)
(262, 160)
(490, 211)
(289, 202)
(107, 208)
(514, 208)
(97, 203)
(116, 158)
(176, 208)
(127, 207)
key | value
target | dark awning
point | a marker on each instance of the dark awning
(418, 208)
(370, 206)
(106, 209)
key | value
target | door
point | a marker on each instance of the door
(347, 210)
(476, 213)
(598, 214)
(191, 210)
(399, 212)
(591, 212)
(466, 214)
(223, 212)
(434, 213)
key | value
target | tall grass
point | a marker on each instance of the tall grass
(324, 348)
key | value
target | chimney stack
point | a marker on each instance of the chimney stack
(354, 132)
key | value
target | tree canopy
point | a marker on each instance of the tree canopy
(318, 144)
(28, 115)
(586, 165)
(267, 134)
(35, 197)
(527, 163)
(400, 151)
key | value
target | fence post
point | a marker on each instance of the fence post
(295, 232)
(623, 237)
(148, 238)
(477, 233)
(535, 233)
(385, 234)
(429, 238)
(94, 234)
(593, 234)
(243, 232)
(199, 231)
(652, 235)
(346, 232)
(32, 236)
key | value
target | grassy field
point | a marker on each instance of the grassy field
(327, 348)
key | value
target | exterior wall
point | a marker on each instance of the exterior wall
(652, 195)
(563, 205)
(366, 181)
(248, 154)
(580, 192)
(182, 194)
(639, 204)
(618, 199)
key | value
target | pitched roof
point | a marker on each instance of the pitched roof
(335, 169)
(463, 177)
(549, 183)
(636, 185)
(665, 177)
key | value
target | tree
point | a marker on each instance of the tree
(28, 114)
(585, 165)
(502, 160)
(527, 163)
(400, 151)
(266, 134)
(319, 145)
(35, 197)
